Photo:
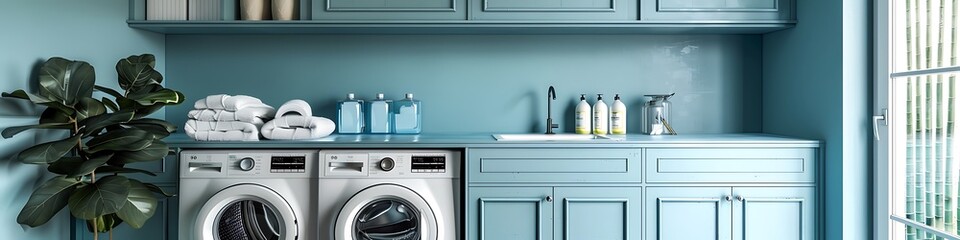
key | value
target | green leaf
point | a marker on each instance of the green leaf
(106, 196)
(89, 107)
(129, 139)
(140, 205)
(104, 223)
(46, 201)
(162, 96)
(75, 166)
(66, 80)
(137, 71)
(11, 131)
(54, 116)
(50, 103)
(156, 151)
(110, 104)
(48, 152)
(107, 90)
(146, 111)
(96, 123)
(158, 127)
(115, 169)
(158, 190)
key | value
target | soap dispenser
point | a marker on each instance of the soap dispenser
(350, 115)
(406, 114)
(618, 116)
(378, 115)
(582, 116)
(600, 117)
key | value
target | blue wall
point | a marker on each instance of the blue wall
(34, 30)
(816, 85)
(486, 83)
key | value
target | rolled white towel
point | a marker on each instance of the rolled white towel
(226, 102)
(252, 114)
(298, 127)
(221, 131)
(294, 107)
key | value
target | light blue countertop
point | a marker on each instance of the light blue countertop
(487, 140)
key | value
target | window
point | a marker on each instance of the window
(920, 77)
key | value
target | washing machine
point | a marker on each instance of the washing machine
(389, 194)
(248, 194)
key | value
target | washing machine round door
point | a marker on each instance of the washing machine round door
(386, 211)
(246, 212)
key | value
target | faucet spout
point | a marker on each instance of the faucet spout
(551, 96)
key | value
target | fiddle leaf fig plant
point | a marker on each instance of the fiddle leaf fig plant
(105, 135)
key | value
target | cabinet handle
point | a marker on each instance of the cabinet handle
(740, 198)
(549, 198)
(728, 198)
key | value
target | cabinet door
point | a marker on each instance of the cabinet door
(716, 10)
(783, 213)
(583, 10)
(597, 213)
(389, 9)
(510, 213)
(683, 213)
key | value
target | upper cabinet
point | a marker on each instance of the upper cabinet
(716, 10)
(487, 16)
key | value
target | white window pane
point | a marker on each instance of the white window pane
(924, 34)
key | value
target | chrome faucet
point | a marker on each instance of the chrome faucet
(551, 96)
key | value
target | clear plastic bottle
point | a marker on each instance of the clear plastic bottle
(379, 119)
(406, 114)
(350, 115)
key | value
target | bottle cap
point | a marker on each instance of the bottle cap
(583, 96)
(617, 97)
(350, 96)
(408, 95)
(599, 96)
(379, 96)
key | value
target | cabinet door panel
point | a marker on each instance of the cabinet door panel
(785, 213)
(511, 213)
(714, 10)
(682, 213)
(389, 9)
(587, 10)
(598, 213)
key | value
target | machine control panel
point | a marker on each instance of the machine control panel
(428, 163)
(288, 164)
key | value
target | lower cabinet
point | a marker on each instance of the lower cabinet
(723, 213)
(555, 213)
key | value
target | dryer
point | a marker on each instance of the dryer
(389, 194)
(248, 194)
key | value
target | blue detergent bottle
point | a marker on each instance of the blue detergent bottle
(406, 118)
(350, 115)
(379, 119)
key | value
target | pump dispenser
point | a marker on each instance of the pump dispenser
(618, 116)
(582, 116)
(600, 117)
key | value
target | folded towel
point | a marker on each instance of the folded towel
(221, 131)
(298, 127)
(294, 107)
(226, 102)
(252, 114)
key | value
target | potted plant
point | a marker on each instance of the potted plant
(105, 136)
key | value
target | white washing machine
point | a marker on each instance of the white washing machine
(248, 194)
(389, 194)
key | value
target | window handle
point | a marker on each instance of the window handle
(876, 123)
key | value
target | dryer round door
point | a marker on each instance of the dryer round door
(246, 212)
(386, 211)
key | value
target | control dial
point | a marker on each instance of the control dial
(387, 164)
(246, 164)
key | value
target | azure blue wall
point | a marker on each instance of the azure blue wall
(487, 83)
(94, 31)
(816, 84)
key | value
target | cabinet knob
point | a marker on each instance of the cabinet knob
(740, 198)
(728, 198)
(549, 198)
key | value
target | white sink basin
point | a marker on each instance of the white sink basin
(546, 137)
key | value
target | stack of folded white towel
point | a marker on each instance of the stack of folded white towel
(223, 117)
(295, 120)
